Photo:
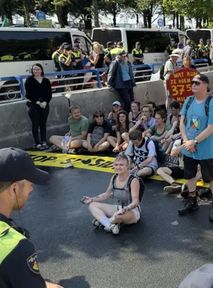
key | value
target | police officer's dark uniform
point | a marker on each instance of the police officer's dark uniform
(18, 259)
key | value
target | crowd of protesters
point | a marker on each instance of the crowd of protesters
(172, 145)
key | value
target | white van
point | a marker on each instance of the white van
(20, 48)
(153, 41)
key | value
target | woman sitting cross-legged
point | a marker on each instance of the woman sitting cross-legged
(120, 142)
(127, 194)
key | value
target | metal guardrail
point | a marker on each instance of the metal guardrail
(66, 81)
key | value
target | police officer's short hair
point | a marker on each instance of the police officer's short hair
(4, 185)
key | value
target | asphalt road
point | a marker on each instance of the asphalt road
(157, 252)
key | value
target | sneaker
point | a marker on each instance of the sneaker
(97, 224)
(190, 206)
(114, 228)
(211, 215)
(44, 145)
(172, 189)
(204, 193)
(38, 147)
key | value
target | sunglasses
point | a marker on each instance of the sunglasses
(97, 116)
(197, 83)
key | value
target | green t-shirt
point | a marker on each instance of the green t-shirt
(78, 126)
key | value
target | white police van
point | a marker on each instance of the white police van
(20, 48)
(153, 41)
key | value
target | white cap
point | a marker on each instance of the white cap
(176, 52)
(199, 278)
(116, 103)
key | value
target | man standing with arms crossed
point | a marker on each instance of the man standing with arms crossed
(196, 126)
(18, 259)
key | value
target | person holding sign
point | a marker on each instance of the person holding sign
(169, 68)
(196, 126)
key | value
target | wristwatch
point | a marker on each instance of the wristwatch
(195, 141)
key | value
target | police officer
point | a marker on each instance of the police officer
(118, 49)
(18, 259)
(107, 53)
(137, 54)
(56, 54)
(66, 58)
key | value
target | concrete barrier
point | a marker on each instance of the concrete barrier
(91, 100)
(15, 125)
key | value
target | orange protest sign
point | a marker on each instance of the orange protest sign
(179, 83)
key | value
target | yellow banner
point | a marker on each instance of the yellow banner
(95, 163)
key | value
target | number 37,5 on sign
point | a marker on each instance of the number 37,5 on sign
(179, 83)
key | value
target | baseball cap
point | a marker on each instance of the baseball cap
(203, 78)
(67, 47)
(199, 278)
(116, 103)
(17, 165)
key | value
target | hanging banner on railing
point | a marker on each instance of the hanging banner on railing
(179, 83)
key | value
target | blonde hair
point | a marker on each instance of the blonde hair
(97, 47)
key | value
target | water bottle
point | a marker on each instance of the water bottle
(65, 143)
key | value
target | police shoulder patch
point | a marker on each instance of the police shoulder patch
(32, 263)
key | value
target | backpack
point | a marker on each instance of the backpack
(162, 72)
(191, 99)
(160, 154)
(128, 185)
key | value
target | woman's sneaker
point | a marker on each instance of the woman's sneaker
(97, 224)
(174, 188)
(114, 228)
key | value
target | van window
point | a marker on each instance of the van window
(30, 45)
(105, 35)
(195, 35)
(85, 45)
(151, 41)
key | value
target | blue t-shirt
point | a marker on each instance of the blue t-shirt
(125, 71)
(197, 121)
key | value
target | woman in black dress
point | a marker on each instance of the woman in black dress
(38, 93)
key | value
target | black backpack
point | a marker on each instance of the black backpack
(191, 99)
(160, 154)
(162, 72)
(128, 185)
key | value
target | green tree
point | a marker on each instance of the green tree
(201, 10)
(148, 8)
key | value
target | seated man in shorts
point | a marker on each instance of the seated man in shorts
(78, 131)
(142, 151)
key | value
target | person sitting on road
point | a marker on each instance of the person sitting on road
(135, 113)
(120, 142)
(98, 132)
(112, 116)
(78, 131)
(127, 209)
(160, 129)
(142, 151)
(173, 171)
(145, 121)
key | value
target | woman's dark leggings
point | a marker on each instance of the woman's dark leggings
(38, 118)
